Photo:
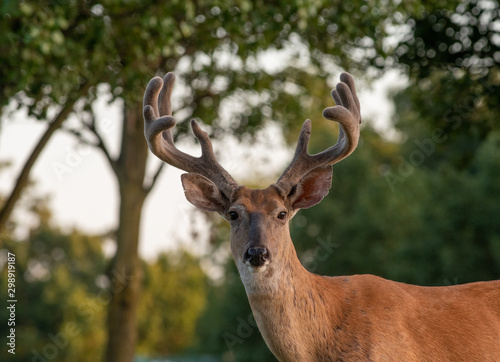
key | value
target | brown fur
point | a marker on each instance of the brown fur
(306, 317)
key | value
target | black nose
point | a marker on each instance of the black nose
(257, 256)
(257, 251)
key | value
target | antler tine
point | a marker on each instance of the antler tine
(158, 124)
(347, 114)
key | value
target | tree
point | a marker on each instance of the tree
(452, 57)
(56, 50)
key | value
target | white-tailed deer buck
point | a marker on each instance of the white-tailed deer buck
(307, 317)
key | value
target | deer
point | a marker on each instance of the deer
(307, 317)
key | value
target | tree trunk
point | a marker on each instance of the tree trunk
(125, 272)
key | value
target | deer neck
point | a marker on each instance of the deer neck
(284, 298)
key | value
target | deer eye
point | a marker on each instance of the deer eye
(233, 215)
(282, 215)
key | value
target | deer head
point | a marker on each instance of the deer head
(260, 240)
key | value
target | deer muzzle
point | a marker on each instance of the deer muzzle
(256, 256)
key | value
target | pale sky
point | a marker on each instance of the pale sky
(83, 191)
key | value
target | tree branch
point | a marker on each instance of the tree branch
(23, 178)
(100, 141)
(149, 187)
(77, 134)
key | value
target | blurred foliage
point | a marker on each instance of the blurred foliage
(174, 295)
(60, 309)
(458, 39)
(62, 294)
(453, 58)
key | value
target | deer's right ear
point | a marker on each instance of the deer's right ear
(203, 193)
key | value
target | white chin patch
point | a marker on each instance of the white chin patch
(260, 269)
(257, 269)
(256, 281)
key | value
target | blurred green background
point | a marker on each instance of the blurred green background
(418, 204)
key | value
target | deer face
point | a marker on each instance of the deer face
(259, 218)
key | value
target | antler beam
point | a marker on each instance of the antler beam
(158, 124)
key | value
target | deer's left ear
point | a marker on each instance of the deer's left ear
(203, 193)
(311, 188)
